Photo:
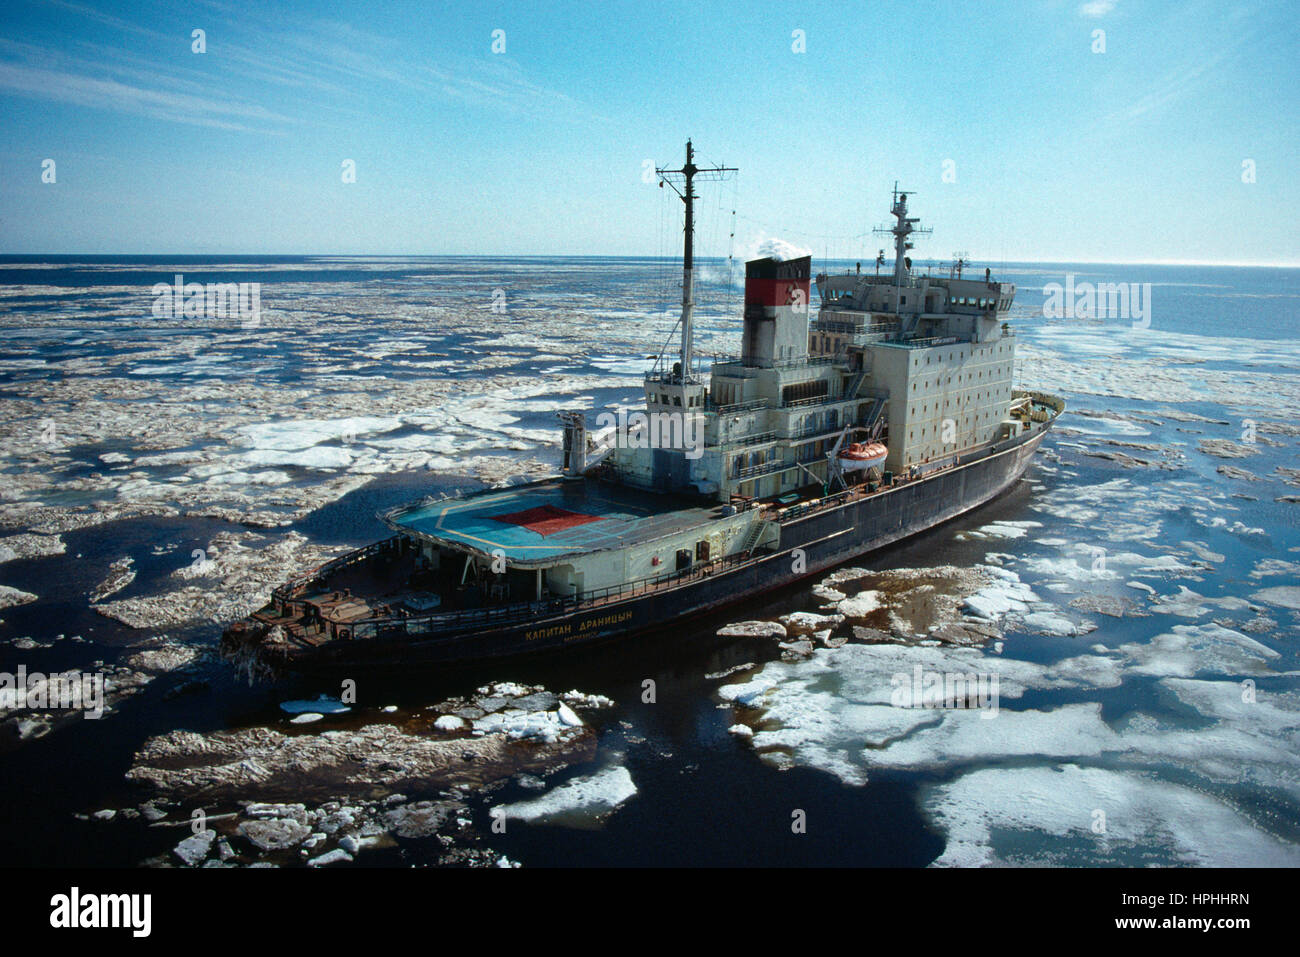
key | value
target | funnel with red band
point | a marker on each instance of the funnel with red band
(776, 310)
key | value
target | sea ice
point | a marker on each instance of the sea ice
(1283, 596)
(860, 605)
(1089, 815)
(752, 629)
(9, 596)
(1188, 650)
(577, 802)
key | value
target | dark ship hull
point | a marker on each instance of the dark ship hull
(827, 534)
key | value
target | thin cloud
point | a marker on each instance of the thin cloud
(292, 60)
(112, 21)
(495, 82)
(1175, 85)
(60, 86)
(1096, 8)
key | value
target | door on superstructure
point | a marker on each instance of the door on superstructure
(671, 469)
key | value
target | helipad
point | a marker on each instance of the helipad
(541, 522)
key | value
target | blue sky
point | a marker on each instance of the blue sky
(1059, 153)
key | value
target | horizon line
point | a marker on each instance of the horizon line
(925, 262)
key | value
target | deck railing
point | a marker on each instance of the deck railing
(762, 438)
(453, 621)
(295, 587)
(750, 471)
(735, 407)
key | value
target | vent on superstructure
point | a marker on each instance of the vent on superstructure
(798, 391)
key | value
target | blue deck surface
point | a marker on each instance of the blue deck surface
(625, 516)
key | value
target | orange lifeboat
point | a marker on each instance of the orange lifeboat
(861, 456)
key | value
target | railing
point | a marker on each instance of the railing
(807, 360)
(761, 438)
(736, 361)
(883, 279)
(735, 407)
(811, 432)
(296, 587)
(957, 460)
(815, 400)
(456, 620)
(799, 511)
(672, 378)
(861, 322)
(835, 325)
(735, 370)
(750, 471)
(930, 341)
(389, 515)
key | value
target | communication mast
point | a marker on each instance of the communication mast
(902, 229)
(686, 176)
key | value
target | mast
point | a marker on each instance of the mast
(688, 262)
(901, 230)
(688, 172)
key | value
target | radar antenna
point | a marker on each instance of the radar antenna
(902, 229)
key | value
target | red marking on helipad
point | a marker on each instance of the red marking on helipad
(546, 519)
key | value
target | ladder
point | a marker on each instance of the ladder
(875, 422)
(752, 536)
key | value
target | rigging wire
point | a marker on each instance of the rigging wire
(662, 271)
(714, 295)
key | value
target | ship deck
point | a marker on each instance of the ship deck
(533, 524)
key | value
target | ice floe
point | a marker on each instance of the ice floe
(9, 596)
(1089, 815)
(30, 546)
(576, 802)
(1187, 650)
(1283, 596)
(238, 571)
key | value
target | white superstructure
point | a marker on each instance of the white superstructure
(921, 363)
